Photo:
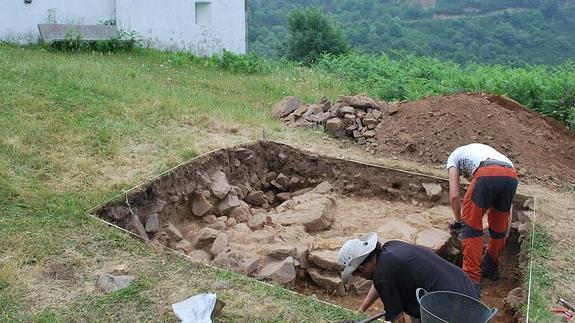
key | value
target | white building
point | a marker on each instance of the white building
(202, 27)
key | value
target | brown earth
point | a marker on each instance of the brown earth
(428, 130)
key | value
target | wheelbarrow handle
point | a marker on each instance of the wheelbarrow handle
(373, 318)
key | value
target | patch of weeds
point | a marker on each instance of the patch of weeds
(180, 58)
(542, 279)
(73, 42)
(116, 238)
(10, 304)
(127, 294)
(241, 64)
(46, 316)
(3, 284)
(188, 153)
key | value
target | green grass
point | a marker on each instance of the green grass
(77, 129)
(543, 279)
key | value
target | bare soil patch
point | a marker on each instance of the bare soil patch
(279, 214)
(59, 272)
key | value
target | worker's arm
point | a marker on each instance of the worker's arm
(369, 299)
(454, 197)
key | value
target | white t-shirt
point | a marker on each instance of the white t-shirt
(467, 158)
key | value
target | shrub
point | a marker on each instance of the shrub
(311, 34)
(74, 43)
(242, 64)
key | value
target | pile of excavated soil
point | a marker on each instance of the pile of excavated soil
(429, 129)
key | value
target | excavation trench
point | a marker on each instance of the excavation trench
(279, 214)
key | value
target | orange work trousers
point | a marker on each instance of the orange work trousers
(491, 190)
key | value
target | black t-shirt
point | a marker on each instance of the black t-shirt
(403, 267)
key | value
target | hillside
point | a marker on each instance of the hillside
(504, 32)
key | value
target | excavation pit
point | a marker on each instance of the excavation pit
(279, 214)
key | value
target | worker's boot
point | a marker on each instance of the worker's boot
(489, 268)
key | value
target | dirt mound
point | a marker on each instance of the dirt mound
(429, 129)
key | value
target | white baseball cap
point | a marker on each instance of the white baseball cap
(354, 252)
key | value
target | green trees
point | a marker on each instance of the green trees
(536, 34)
(312, 33)
(550, 8)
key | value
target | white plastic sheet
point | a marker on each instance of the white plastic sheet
(196, 308)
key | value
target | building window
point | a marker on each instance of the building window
(203, 13)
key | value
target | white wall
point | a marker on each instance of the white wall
(171, 25)
(19, 21)
(163, 24)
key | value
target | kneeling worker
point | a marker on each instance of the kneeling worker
(397, 269)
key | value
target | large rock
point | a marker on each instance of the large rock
(359, 101)
(334, 124)
(280, 251)
(514, 299)
(219, 184)
(392, 108)
(110, 283)
(324, 103)
(347, 110)
(326, 259)
(283, 196)
(433, 191)
(322, 188)
(328, 282)
(229, 202)
(258, 221)
(286, 106)
(396, 229)
(237, 261)
(173, 232)
(152, 223)
(242, 213)
(220, 244)
(135, 225)
(281, 182)
(279, 271)
(200, 205)
(309, 210)
(256, 198)
(183, 245)
(204, 238)
(433, 239)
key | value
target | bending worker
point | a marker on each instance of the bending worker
(492, 188)
(397, 269)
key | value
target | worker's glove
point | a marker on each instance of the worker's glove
(455, 227)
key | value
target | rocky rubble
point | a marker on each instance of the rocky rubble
(355, 117)
(274, 213)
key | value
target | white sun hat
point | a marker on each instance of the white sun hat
(354, 252)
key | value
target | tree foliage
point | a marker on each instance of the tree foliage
(312, 33)
(510, 32)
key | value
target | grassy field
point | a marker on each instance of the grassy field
(77, 129)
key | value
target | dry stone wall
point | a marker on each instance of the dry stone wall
(356, 117)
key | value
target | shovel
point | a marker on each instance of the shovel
(369, 319)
